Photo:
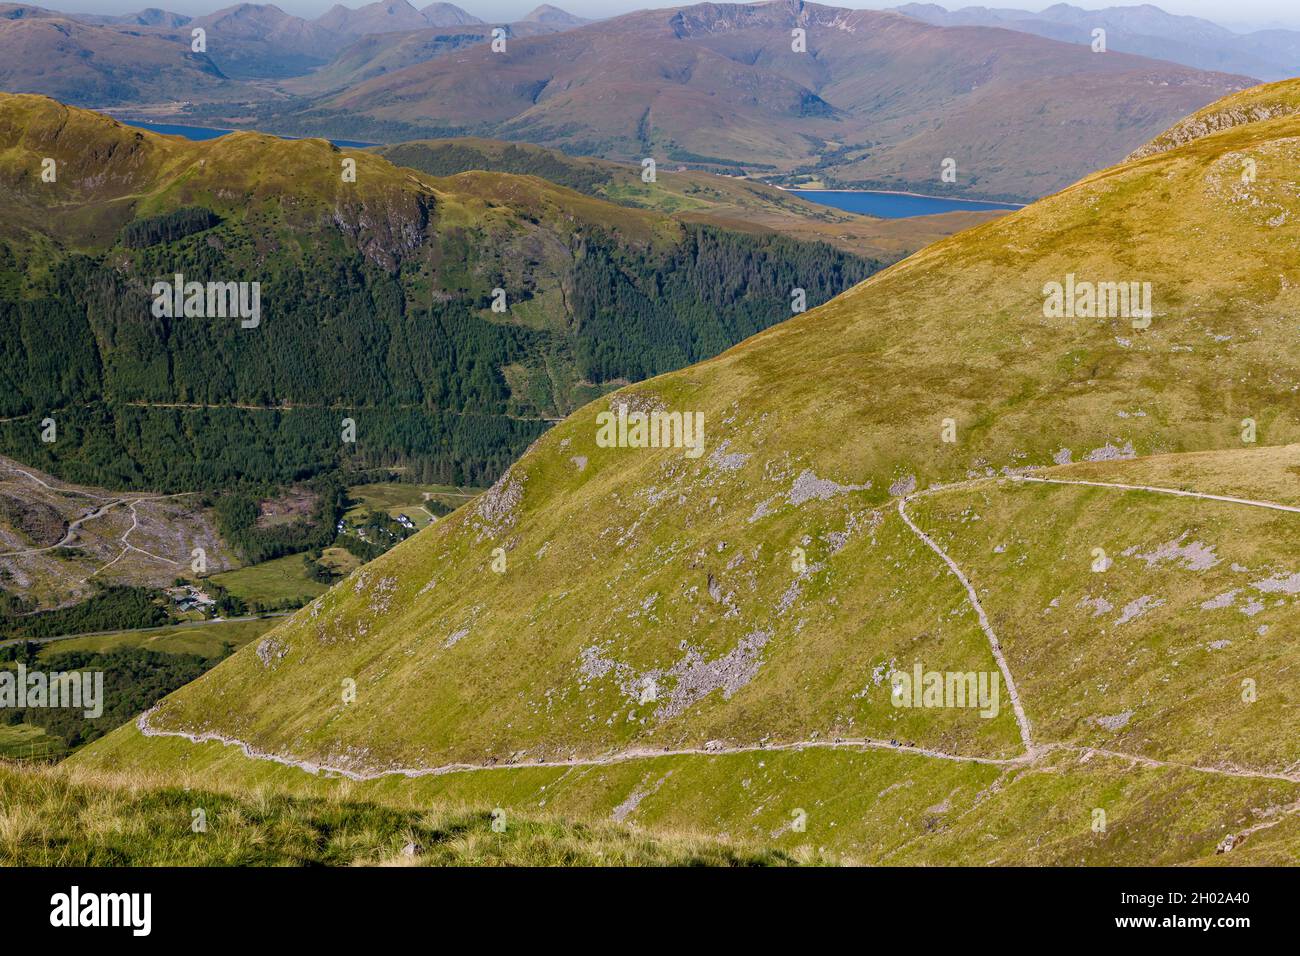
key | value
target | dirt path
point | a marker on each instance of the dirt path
(66, 490)
(625, 756)
(1163, 491)
(135, 520)
(71, 533)
(1022, 720)
(109, 504)
(1033, 753)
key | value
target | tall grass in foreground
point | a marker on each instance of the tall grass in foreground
(53, 816)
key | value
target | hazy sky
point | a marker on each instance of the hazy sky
(1237, 14)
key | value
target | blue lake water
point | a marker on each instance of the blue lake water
(894, 205)
(199, 133)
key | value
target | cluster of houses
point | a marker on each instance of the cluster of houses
(187, 597)
(402, 519)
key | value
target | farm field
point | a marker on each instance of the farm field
(394, 498)
(273, 582)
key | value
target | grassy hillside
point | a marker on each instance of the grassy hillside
(689, 195)
(728, 625)
(206, 640)
(377, 301)
(54, 818)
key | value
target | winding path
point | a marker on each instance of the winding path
(1033, 753)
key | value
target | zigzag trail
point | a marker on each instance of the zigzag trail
(73, 526)
(1033, 752)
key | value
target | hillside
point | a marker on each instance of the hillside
(878, 98)
(53, 818)
(1270, 101)
(711, 641)
(689, 195)
(376, 305)
(53, 54)
(57, 540)
(1143, 29)
(378, 54)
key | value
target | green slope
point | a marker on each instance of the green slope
(376, 297)
(52, 818)
(826, 434)
(689, 195)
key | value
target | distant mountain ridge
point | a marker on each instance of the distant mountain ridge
(125, 57)
(1145, 30)
(879, 100)
(46, 52)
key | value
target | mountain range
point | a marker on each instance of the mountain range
(1145, 30)
(878, 99)
(946, 470)
(135, 52)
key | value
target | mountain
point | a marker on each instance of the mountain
(553, 16)
(723, 634)
(389, 16)
(879, 99)
(1145, 30)
(689, 195)
(376, 302)
(262, 41)
(45, 52)
(17, 11)
(149, 17)
(447, 15)
(377, 54)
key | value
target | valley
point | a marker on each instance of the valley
(755, 434)
(871, 100)
(729, 625)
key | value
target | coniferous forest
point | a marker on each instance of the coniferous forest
(418, 363)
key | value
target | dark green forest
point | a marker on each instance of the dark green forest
(134, 680)
(109, 608)
(448, 159)
(180, 404)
